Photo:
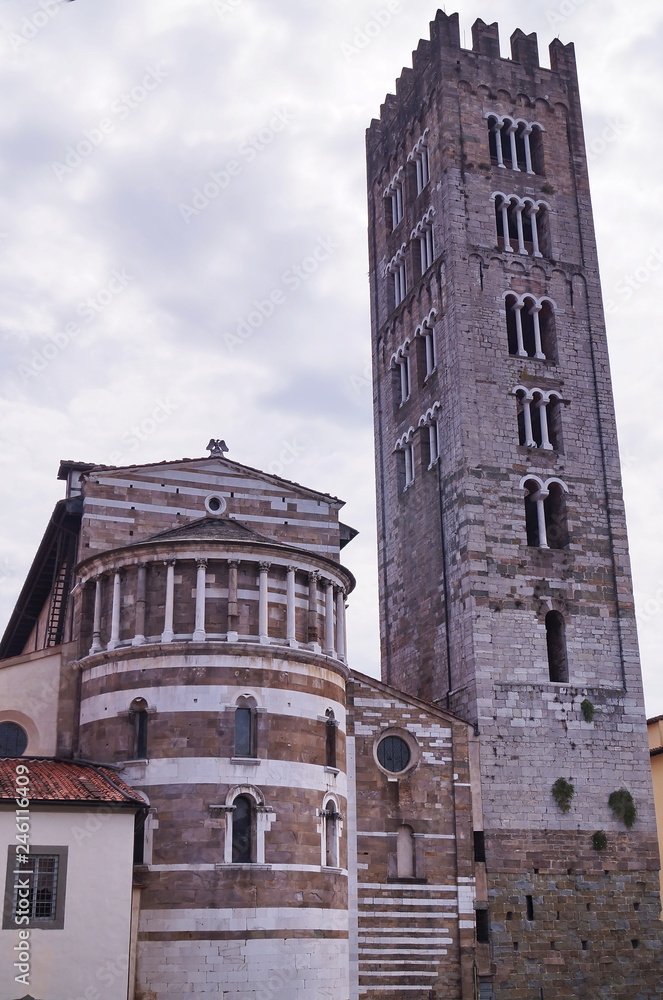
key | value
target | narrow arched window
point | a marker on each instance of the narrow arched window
(405, 862)
(532, 513)
(138, 709)
(330, 833)
(242, 832)
(245, 726)
(330, 739)
(558, 668)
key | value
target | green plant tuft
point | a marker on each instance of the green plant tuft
(587, 710)
(562, 792)
(623, 807)
(599, 840)
(547, 188)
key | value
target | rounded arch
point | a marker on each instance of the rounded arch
(248, 790)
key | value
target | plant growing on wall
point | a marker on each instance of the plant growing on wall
(623, 807)
(562, 792)
(587, 710)
(599, 840)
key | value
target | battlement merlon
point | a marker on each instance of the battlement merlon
(445, 43)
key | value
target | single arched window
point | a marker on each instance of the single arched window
(330, 739)
(138, 708)
(242, 832)
(558, 667)
(330, 819)
(245, 727)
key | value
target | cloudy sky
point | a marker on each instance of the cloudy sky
(167, 165)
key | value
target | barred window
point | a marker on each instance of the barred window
(35, 888)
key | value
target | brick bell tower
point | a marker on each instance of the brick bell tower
(504, 574)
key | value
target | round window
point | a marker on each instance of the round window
(215, 504)
(13, 739)
(393, 754)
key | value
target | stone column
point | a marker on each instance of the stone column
(96, 622)
(141, 586)
(199, 630)
(514, 152)
(538, 350)
(233, 611)
(522, 353)
(340, 625)
(521, 231)
(543, 416)
(313, 632)
(527, 131)
(504, 208)
(168, 635)
(263, 602)
(115, 614)
(527, 416)
(535, 232)
(539, 497)
(330, 649)
(290, 625)
(497, 129)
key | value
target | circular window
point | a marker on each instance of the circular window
(215, 504)
(393, 754)
(13, 739)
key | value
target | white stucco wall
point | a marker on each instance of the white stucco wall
(88, 959)
(29, 689)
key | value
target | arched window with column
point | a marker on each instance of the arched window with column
(405, 454)
(428, 422)
(245, 726)
(522, 225)
(248, 819)
(515, 144)
(538, 418)
(545, 512)
(558, 666)
(425, 338)
(530, 324)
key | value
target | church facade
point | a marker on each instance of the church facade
(178, 711)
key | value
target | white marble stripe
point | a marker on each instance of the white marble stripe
(404, 940)
(220, 867)
(269, 657)
(426, 915)
(404, 901)
(245, 918)
(222, 771)
(391, 973)
(210, 698)
(410, 888)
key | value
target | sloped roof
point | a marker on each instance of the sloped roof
(411, 699)
(204, 529)
(66, 465)
(54, 780)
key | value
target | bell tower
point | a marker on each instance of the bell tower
(505, 583)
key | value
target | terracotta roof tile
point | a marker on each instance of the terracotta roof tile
(65, 781)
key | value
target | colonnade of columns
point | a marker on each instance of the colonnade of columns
(512, 129)
(334, 637)
(536, 324)
(532, 211)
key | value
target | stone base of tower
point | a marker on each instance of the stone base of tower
(569, 921)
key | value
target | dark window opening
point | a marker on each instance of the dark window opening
(13, 740)
(330, 739)
(479, 845)
(393, 754)
(585, 945)
(556, 643)
(245, 727)
(555, 511)
(635, 943)
(509, 915)
(140, 718)
(483, 926)
(492, 140)
(331, 835)
(139, 838)
(529, 902)
(242, 821)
